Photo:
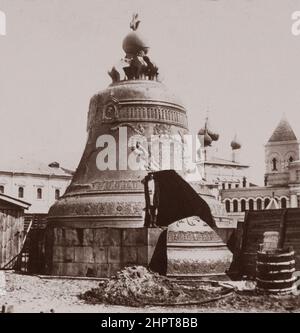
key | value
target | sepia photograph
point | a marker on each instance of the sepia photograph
(149, 159)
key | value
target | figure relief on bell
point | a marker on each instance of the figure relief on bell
(136, 65)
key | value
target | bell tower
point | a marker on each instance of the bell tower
(281, 149)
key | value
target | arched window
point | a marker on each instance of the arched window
(227, 206)
(266, 203)
(259, 204)
(57, 194)
(283, 203)
(39, 193)
(274, 164)
(1, 189)
(235, 206)
(21, 192)
(291, 159)
(243, 205)
(251, 204)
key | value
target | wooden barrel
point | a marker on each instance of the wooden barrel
(274, 271)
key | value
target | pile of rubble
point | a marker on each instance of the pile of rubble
(137, 286)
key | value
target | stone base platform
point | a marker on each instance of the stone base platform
(98, 252)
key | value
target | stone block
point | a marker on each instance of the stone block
(58, 236)
(153, 235)
(114, 268)
(142, 255)
(88, 237)
(100, 255)
(129, 255)
(134, 236)
(69, 254)
(100, 236)
(102, 270)
(114, 254)
(88, 270)
(151, 249)
(107, 236)
(71, 237)
(58, 254)
(114, 237)
(84, 254)
(57, 268)
(70, 269)
(63, 254)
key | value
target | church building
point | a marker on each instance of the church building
(220, 173)
(282, 177)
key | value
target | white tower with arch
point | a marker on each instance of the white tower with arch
(281, 150)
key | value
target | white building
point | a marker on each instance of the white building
(36, 183)
(282, 177)
(219, 173)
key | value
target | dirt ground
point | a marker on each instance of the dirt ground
(30, 294)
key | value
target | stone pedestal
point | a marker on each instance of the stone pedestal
(98, 252)
(194, 249)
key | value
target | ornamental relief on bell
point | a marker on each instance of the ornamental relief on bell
(118, 185)
(192, 236)
(114, 111)
(118, 208)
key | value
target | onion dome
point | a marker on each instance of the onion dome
(235, 144)
(213, 135)
(207, 140)
(206, 130)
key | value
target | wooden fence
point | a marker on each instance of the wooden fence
(285, 221)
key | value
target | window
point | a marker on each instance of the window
(227, 205)
(243, 205)
(298, 175)
(21, 192)
(291, 159)
(267, 201)
(274, 164)
(236, 185)
(283, 203)
(57, 194)
(235, 206)
(259, 204)
(39, 193)
(223, 186)
(251, 204)
(229, 186)
(1, 189)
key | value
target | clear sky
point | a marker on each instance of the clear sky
(236, 58)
